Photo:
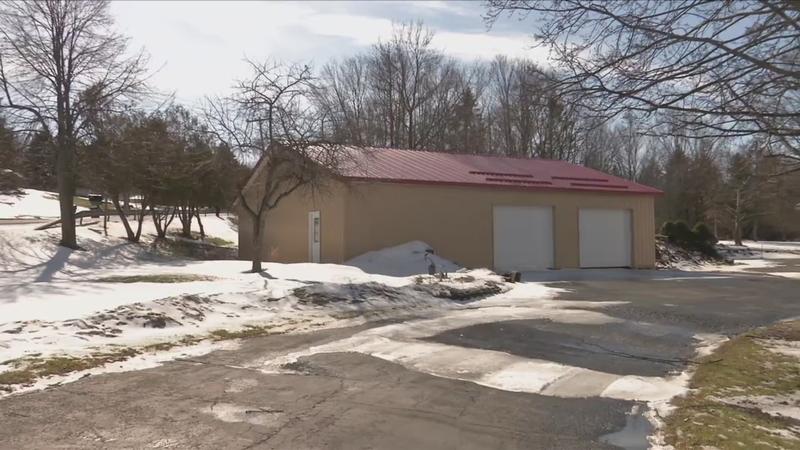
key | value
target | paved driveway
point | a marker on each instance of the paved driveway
(349, 400)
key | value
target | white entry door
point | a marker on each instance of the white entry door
(605, 237)
(314, 232)
(523, 238)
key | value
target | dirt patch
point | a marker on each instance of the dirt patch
(157, 278)
(27, 370)
(353, 293)
(466, 292)
(196, 238)
(248, 331)
(187, 248)
(460, 290)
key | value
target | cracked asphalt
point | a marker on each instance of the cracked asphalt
(355, 401)
(340, 400)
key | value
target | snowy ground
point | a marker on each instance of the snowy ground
(760, 250)
(749, 256)
(28, 204)
(54, 302)
(57, 302)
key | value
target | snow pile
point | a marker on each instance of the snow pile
(30, 203)
(402, 260)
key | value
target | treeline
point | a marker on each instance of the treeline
(405, 93)
(164, 164)
(730, 186)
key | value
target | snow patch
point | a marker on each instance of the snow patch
(782, 346)
(30, 203)
(787, 405)
(405, 344)
(761, 249)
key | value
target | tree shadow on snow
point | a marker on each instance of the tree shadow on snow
(55, 265)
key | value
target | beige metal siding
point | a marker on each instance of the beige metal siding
(286, 227)
(457, 221)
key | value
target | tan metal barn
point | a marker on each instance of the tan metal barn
(479, 211)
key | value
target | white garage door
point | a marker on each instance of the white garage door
(605, 237)
(523, 238)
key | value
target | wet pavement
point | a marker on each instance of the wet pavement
(336, 401)
(727, 304)
(611, 348)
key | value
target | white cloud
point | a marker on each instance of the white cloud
(362, 30)
(483, 45)
(198, 47)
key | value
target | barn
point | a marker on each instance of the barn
(504, 213)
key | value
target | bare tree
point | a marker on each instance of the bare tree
(342, 97)
(731, 68)
(503, 74)
(269, 117)
(630, 143)
(59, 62)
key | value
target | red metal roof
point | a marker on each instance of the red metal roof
(415, 166)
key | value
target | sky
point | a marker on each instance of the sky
(197, 48)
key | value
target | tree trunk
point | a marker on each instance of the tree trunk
(737, 219)
(140, 218)
(257, 243)
(105, 217)
(160, 232)
(162, 220)
(124, 218)
(200, 223)
(66, 192)
(185, 216)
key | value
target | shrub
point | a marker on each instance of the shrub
(704, 240)
(678, 233)
(704, 234)
(668, 230)
(683, 234)
(700, 239)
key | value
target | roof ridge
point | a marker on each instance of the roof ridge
(480, 155)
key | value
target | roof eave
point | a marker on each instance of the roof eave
(651, 191)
